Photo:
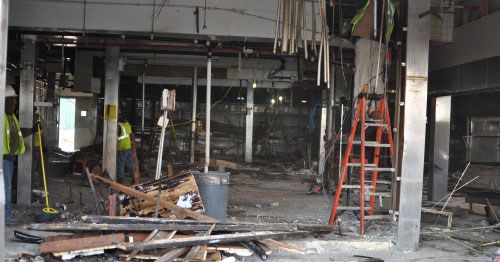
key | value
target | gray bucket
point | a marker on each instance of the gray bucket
(213, 190)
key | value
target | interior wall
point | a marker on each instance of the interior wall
(85, 126)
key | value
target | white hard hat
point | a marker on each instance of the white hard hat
(10, 92)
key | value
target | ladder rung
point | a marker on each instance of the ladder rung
(351, 208)
(376, 124)
(376, 217)
(382, 194)
(372, 167)
(359, 164)
(380, 169)
(385, 182)
(354, 186)
(371, 144)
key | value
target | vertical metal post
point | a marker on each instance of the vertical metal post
(143, 108)
(249, 126)
(26, 96)
(341, 134)
(412, 162)
(4, 20)
(193, 115)
(322, 134)
(208, 105)
(112, 83)
(330, 102)
(439, 178)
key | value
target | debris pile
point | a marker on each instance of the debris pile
(180, 231)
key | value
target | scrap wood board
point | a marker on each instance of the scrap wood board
(181, 189)
(82, 243)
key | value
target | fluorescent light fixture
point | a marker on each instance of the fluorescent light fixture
(304, 101)
(280, 98)
(83, 113)
(273, 101)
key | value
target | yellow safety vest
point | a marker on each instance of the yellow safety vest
(6, 137)
(124, 142)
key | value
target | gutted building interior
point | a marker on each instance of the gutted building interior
(236, 130)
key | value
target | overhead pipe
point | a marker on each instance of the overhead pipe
(304, 27)
(277, 27)
(285, 26)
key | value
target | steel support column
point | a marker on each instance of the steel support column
(26, 96)
(4, 18)
(412, 162)
(208, 107)
(112, 83)
(439, 178)
(322, 134)
(193, 116)
(249, 126)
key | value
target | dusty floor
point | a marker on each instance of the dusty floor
(259, 197)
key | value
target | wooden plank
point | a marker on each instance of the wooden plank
(178, 211)
(112, 205)
(283, 246)
(148, 238)
(172, 190)
(449, 215)
(194, 249)
(135, 161)
(202, 240)
(250, 226)
(170, 171)
(83, 243)
(214, 256)
(172, 254)
(69, 227)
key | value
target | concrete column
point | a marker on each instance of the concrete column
(4, 18)
(367, 54)
(415, 105)
(111, 88)
(193, 116)
(208, 107)
(249, 126)
(439, 178)
(50, 124)
(26, 96)
(322, 134)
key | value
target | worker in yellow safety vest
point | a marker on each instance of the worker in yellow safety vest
(13, 145)
(124, 146)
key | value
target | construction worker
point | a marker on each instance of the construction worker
(124, 146)
(12, 147)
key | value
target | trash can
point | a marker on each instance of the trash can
(213, 190)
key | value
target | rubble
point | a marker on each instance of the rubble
(180, 232)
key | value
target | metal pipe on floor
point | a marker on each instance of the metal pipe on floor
(193, 115)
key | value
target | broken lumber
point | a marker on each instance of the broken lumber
(449, 215)
(194, 249)
(178, 227)
(83, 243)
(220, 225)
(202, 240)
(178, 211)
(283, 246)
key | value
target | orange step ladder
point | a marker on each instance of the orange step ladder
(382, 122)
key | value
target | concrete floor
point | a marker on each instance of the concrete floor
(259, 197)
